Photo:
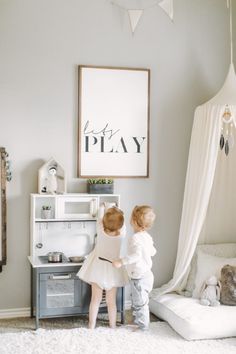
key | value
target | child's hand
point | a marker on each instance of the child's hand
(117, 263)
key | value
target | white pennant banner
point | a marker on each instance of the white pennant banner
(134, 18)
(136, 14)
(168, 7)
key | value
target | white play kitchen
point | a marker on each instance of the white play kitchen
(63, 233)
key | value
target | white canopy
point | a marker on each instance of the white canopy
(210, 180)
(227, 94)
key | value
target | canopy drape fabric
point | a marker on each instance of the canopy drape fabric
(219, 225)
(202, 160)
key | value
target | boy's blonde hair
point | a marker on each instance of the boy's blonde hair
(143, 216)
(113, 219)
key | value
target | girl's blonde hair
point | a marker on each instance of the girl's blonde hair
(113, 219)
(143, 216)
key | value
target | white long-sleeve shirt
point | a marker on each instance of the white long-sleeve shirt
(140, 250)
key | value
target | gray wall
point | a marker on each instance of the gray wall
(41, 44)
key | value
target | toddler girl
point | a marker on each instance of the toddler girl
(98, 271)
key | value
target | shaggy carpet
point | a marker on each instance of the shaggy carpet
(160, 339)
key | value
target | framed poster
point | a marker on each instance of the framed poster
(113, 122)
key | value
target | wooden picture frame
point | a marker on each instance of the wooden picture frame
(3, 222)
(113, 137)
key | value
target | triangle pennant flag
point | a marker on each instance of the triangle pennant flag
(168, 7)
(134, 18)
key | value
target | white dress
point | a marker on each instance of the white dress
(102, 272)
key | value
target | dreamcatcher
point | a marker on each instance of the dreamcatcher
(227, 131)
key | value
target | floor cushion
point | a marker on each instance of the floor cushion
(192, 320)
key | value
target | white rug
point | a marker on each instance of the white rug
(160, 339)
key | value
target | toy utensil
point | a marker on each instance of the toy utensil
(104, 259)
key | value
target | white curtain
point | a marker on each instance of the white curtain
(219, 225)
(202, 160)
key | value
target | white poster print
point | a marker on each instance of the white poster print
(114, 118)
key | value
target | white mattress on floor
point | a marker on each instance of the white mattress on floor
(192, 320)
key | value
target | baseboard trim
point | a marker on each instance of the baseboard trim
(14, 313)
(25, 311)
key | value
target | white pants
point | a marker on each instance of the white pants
(140, 289)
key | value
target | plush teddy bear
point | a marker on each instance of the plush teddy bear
(228, 285)
(210, 293)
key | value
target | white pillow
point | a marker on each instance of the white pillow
(208, 265)
(227, 250)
